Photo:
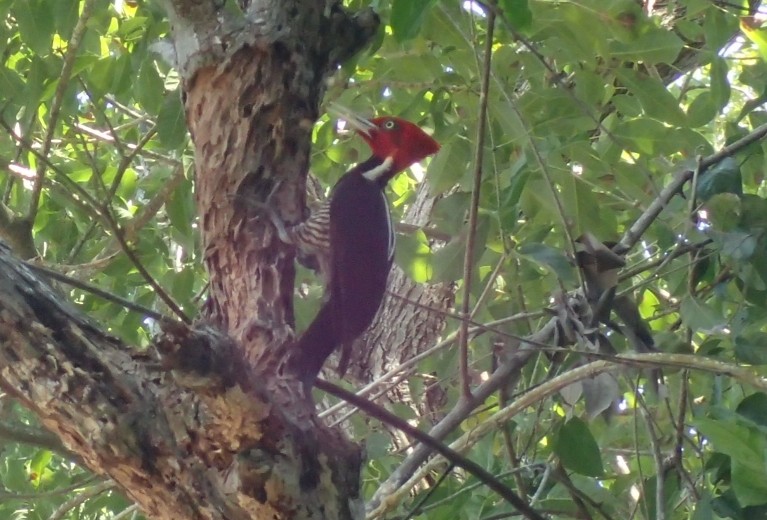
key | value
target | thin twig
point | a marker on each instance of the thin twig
(635, 232)
(81, 497)
(545, 390)
(85, 480)
(34, 437)
(96, 291)
(476, 326)
(556, 76)
(410, 363)
(454, 457)
(101, 136)
(88, 203)
(660, 495)
(58, 97)
(506, 372)
(468, 258)
(127, 152)
(132, 509)
(133, 257)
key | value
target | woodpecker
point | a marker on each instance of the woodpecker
(352, 236)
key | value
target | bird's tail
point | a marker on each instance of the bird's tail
(314, 346)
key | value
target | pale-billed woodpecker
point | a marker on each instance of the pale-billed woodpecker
(352, 236)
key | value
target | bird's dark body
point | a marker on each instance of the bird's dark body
(361, 255)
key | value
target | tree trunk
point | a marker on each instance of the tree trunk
(208, 427)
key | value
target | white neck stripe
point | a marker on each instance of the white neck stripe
(378, 171)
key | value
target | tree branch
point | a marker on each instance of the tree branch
(545, 390)
(35, 437)
(635, 232)
(468, 258)
(84, 286)
(506, 373)
(455, 458)
(184, 441)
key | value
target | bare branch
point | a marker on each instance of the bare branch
(135, 307)
(635, 232)
(468, 258)
(455, 458)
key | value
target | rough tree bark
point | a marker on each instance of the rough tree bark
(206, 427)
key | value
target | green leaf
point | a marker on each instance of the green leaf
(644, 135)
(670, 492)
(407, 17)
(699, 316)
(754, 32)
(449, 166)
(754, 407)
(448, 261)
(551, 258)
(726, 505)
(413, 255)
(149, 89)
(656, 100)
(171, 123)
(724, 211)
(701, 110)
(377, 445)
(720, 85)
(738, 245)
(11, 85)
(582, 200)
(65, 14)
(723, 177)
(180, 209)
(746, 447)
(133, 28)
(38, 464)
(754, 212)
(509, 209)
(703, 509)
(718, 28)
(577, 448)
(653, 46)
(36, 25)
(749, 483)
(749, 349)
(518, 13)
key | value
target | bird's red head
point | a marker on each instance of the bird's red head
(397, 138)
(391, 137)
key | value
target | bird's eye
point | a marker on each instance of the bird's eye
(389, 125)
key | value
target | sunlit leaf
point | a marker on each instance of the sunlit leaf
(36, 24)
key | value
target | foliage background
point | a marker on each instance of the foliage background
(593, 106)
